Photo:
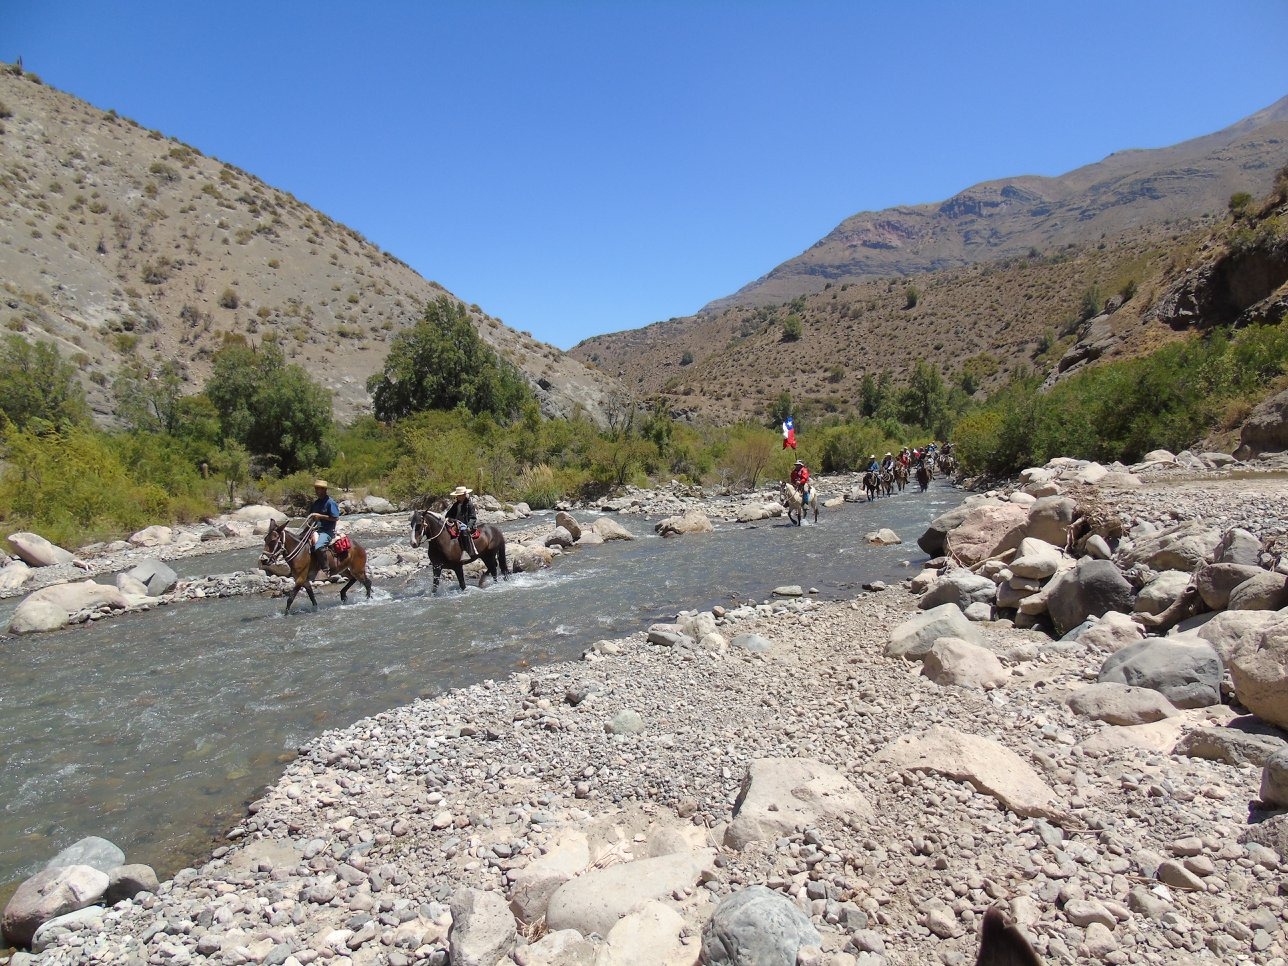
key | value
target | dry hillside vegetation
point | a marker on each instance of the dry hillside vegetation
(984, 320)
(118, 243)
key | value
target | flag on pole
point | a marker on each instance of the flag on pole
(789, 433)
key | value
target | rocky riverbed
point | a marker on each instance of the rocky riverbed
(618, 809)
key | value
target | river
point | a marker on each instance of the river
(154, 730)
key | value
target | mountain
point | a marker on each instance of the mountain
(118, 243)
(997, 219)
(1003, 274)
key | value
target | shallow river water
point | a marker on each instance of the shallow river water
(154, 730)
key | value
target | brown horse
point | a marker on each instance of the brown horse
(923, 476)
(871, 484)
(900, 476)
(445, 550)
(297, 552)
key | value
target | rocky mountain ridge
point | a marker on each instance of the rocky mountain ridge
(118, 243)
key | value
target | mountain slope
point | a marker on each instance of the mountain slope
(1008, 217)
(119, 243)
(1002, 275)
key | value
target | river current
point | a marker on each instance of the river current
(154, 730)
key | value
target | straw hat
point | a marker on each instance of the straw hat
(462, 491)
(320, 484)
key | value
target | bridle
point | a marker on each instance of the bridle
(420, 526)
(279, 543)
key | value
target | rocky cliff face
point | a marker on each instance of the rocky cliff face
(119, 243)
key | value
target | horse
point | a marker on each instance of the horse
(445, 550)
(947, 464)
(887, 482)
(900, 476)
(799, 503)
(297, 553)
(871, 483)
(923, 476)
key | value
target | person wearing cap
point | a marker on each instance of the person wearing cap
(873, 465)
(324, 514)
(800, 480)
(887, 463)
(463, 512)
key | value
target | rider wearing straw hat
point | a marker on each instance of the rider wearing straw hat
(324, 513)
(463, 512)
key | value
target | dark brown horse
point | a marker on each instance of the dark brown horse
(297, 552)
(445, 550)
(900, 476)
(923, 476)
(871, 484)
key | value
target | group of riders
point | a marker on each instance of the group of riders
(324, 514)
(907, 459)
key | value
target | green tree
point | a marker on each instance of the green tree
(37, 388)
(273, 409)
(792, 328)
(922, 402)
(782, 407)
(441, 363)
(911, 297)
(869, 396)
(147, 399)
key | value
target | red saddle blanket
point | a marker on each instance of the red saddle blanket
(341, 545)
(455, 531)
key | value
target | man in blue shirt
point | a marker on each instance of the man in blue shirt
(324, 514)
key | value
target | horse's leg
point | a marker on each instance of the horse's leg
(460, 575)
(438, 575)
(312, 600)
(345, 589)
(290, 598)
(505, 567)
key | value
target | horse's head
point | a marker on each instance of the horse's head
(274, 542)
(417, 527)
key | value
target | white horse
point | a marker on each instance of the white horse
(800, 502)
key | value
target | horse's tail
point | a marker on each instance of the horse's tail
(500, 558)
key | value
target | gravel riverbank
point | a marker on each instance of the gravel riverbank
(640, 753)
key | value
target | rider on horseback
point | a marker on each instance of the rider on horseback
(800, 480)
(466, 517)
(873, 465)
(324, 513)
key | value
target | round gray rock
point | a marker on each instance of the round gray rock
(1187, 674)
(1091, 589)
(756, 927)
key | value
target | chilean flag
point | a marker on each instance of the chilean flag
(789, 433)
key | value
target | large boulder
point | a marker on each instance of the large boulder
(154, 536)
(932, 541)
(1036, 559)
(1266, 428)
(987, 530)
(1246, 741)
(1259, 668)
(1186, 546)
(1091, 589)
(915, 636)
(1238, 546)
(989, 767)
(958, 587)
(47, 895)
(1228, 630)
(782, 793)
(258, 513)
(565, 520)
(80, 596)
(1274, 780)
(1111, 632)
(690, 521)
(97, 853)
(1215, 581)
(756, 927)
(565, 947)
(952, 662)
(155, 576)
(483, 931)
(596, 900)
(127, 881)
(35, 551)
(1049, 519)
(650, 935)
(1161, 592)
(35, 616)
(610, 529)
(1121, 704)
(1187, 674)
(1264, 591)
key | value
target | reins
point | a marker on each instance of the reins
(442, 521)
(279, 545)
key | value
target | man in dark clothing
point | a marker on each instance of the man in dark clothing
(324, 514)
(463, 512)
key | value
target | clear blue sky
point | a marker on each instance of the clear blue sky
(578, 167)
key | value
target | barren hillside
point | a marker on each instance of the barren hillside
(118, 242)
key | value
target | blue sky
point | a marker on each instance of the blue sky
(579, 167)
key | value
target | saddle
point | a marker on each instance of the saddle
(455, 531)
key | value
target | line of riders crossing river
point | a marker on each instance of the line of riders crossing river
(455, 538)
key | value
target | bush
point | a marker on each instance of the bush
(228, 299)
(792, 328)
(911, 297)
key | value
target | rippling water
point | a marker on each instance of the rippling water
(154, 730)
